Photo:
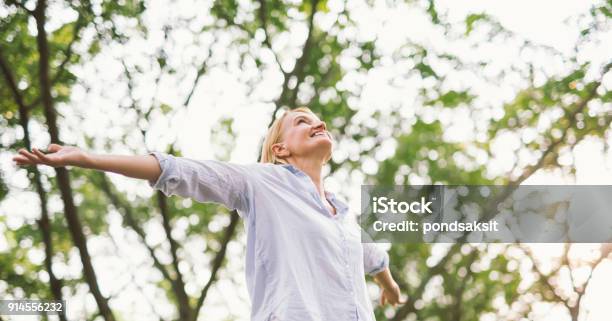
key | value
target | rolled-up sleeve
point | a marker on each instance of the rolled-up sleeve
(205, 181)
(375, 259)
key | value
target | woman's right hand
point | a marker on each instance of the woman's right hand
(57, 156)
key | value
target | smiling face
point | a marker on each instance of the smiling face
(303, 135)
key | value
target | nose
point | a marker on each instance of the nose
(321, 125)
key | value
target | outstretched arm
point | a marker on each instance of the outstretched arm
(204, 181)
(143, 167)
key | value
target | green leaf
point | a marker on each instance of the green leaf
(472, 19)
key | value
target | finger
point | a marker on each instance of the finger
(31, 157)
(392, 300)
(54, 148)
(19, 158)
(383, 299)
(40, 155)
(22, 163)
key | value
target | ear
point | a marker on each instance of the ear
(280, 150)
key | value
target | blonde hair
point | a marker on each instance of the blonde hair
(274, 136)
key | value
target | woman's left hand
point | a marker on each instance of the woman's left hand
(390, 293)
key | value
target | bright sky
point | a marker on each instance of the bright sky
(222, 93)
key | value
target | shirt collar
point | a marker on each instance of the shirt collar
(341, 207)
(293, 169)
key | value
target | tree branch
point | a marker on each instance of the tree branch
(20, 5)
(218, 260)
(230, 21)
(264, 25)
(298, 68)
(131, 221)
(571, 116)
(184, 307)
(63, 179)
(185, 311)
(409, 306)
(303, 60)
(544, 278)
(133, 279)
(79, 24)
(200, 72)
(575, 311)
(43, 222)
(68, 53)
(458, 295)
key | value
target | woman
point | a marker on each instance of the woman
(304, 259)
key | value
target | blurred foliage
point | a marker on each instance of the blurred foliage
(550, 116)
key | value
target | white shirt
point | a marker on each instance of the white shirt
(302, 262)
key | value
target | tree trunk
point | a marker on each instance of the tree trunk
(43, 222)
(63, 179)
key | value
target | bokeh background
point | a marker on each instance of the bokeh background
(415, 92)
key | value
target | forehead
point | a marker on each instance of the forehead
(298, 114)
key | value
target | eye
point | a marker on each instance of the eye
(301, 120)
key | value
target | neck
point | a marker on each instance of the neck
(314, 169)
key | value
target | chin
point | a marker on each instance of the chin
(320, 148)
(326, 145)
